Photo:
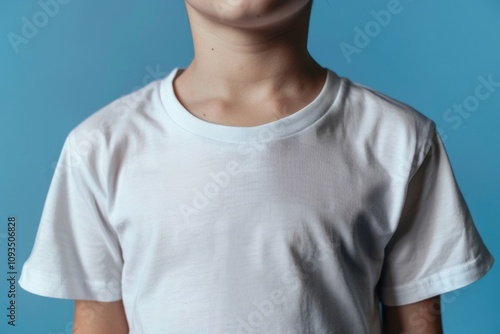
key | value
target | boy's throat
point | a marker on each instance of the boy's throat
(234, 113)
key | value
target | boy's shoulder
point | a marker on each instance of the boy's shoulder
(119, 118)
(373, 104)
(377, 114)
(389, 131)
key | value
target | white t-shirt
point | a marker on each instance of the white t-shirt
(300, 225)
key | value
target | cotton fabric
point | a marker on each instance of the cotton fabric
(300, 225)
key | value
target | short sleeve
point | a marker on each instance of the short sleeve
(76, 254)
(436, 247)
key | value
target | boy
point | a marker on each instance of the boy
(254, 192)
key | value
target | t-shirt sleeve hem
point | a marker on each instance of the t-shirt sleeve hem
(50, 285)
(439, 283)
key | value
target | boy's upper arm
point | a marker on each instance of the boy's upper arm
(423, 317)
(77, 252)
(436, 247)
(93, 317)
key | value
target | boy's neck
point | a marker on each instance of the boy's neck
(242, 68)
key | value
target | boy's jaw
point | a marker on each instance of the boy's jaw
(247, 13)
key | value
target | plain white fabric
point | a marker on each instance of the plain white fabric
(300, 225)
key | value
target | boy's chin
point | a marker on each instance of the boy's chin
(249, 13)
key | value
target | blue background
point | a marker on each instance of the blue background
(91, 52)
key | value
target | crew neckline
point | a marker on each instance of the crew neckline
(328, 99)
